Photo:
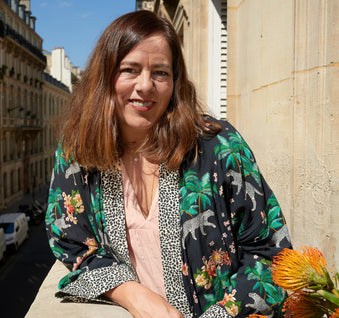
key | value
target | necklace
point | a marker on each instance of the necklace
(136, 157)
(132, 149)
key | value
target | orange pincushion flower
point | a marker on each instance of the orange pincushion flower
(294, 270)
(301, 305)
(336, 314)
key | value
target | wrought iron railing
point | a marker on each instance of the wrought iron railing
(6, 30)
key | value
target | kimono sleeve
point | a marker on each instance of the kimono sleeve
(259, 232)
(76, 231)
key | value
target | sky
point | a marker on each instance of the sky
(76, 25)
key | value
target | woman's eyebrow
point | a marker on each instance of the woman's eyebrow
(130, 63)
(162, 65)
(136, 64)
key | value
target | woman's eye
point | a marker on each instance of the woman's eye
(161, 73)
(128, 70)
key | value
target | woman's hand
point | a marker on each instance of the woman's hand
(141, 302)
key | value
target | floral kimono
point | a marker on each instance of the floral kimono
(220, 227)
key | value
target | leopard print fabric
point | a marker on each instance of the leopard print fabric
(215, 311)
(98, 281)
(170, 238)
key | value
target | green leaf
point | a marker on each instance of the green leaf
(329, 296)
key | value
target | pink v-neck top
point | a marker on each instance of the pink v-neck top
(143, 239)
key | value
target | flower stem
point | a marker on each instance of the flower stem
(329, 296)
(335, 292)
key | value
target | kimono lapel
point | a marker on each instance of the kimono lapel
(169, 230)
(170, 238)
(113, 204)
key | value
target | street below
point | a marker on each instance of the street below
(22, 273)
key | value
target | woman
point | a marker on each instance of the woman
(152, 205)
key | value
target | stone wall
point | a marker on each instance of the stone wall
(283, 96)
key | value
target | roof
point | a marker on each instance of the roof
(9, 217)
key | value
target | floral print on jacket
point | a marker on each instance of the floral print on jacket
(229, 222)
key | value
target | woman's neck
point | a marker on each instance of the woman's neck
(143, 176)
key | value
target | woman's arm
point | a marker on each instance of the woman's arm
(258, 228)
(76, 230)
(232, 228)
(141, 302)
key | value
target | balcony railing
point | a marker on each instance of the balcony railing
(6, 30)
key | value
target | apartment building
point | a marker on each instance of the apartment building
(30, 101)
(61, 68)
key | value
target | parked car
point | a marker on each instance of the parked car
(39, 208)
(33, 215)
(2, 244)
(16, 229)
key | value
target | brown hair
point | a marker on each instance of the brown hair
(90, 129)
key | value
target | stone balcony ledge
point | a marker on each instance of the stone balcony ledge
(47, 305)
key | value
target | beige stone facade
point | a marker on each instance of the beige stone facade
(283, 96)
(28, 105)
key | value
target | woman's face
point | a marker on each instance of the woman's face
(143, 86)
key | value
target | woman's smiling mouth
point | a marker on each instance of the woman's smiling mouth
(141, 104)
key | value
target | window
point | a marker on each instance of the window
(41, 169)
(19, 180)
(46, 170)
(12, 146)
(10, 98)
(4, 100)
(12, 182)
(4, 149)
(5, 185)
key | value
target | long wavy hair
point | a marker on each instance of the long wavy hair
(89, 128)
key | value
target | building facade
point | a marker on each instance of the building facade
(25, 110)
(283, 96)
(144, 5)
(22, 65)
(202, 28)
(55, 96)
(61, 68)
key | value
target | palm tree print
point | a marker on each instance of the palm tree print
(200, 191)
(273, 219)
(238, 144)
(238, 154)
(263, 277)
(97, 211)
(54, 210)
(186, 206)
(60, 160)
(223, 150)
(273, 293)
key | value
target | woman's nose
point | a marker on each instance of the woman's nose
(144, 82)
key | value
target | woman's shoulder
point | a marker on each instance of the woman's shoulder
(65, 166)
(227, 131)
